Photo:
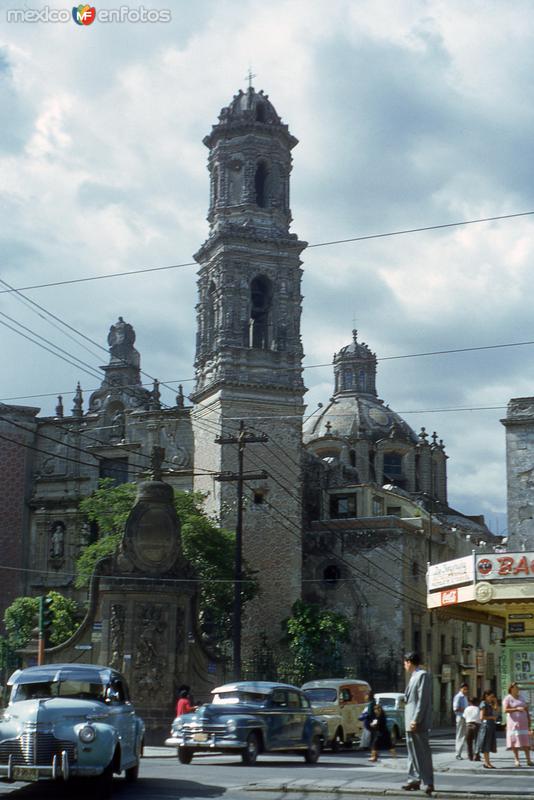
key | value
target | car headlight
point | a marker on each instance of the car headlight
(87, 734)
(231, 725)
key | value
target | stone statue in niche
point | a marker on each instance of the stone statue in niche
(57, 540)
(118, 425)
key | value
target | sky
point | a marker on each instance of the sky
(409, 113)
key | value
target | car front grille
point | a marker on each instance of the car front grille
(206, 728)
(32, 749)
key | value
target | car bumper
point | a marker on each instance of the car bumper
(60, 768)
(213, 741)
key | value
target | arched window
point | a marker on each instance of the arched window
(260, 184)
(361, 380)
(393, 467)
(260, 312)
(260, 112)
(348, 378)
(331, 574)
(352, 458)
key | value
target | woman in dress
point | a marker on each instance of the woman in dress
(487, 740)
(517, 724)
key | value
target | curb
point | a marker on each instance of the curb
(372, 792)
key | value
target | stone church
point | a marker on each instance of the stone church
(353, 504)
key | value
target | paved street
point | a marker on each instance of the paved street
(275, 777)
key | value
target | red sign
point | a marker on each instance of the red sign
(449, 598)
(511, 565)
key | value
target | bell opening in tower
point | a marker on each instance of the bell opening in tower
(260, 184)
(260, 312)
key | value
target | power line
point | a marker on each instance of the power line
(367, 237)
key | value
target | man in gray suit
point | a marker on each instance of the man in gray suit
(418, 719)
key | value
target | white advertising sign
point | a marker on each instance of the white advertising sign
(451, 573)
(504, 566)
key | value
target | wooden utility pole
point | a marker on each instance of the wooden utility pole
(242, 439)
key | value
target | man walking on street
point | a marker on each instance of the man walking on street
(459, 704)
(418, 721)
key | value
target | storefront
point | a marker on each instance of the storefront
(495, 589)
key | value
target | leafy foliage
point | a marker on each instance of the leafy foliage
(21, 617)
(315, 638)
(209, 548)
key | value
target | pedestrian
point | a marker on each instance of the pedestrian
(517, 713)
(487, 739)
(472, 724)
(418, 721)
(459, 704)
(380, 736)
(366, 717)
(183, 706)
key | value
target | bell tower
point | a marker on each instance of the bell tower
(249, 351)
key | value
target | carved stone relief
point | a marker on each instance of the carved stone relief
(116, 636)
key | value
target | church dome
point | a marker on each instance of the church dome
(250, 108)
(355, 411)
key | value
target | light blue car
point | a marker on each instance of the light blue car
(69, 720)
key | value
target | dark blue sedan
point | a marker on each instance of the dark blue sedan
(250, 717)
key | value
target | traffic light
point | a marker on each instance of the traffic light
(45, 618)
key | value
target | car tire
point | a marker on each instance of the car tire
(338, 741)
(313, 751)
(394, 735)
(185, 755)
(132, 773)
(104, 782)
(250, 754)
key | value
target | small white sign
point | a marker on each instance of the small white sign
(451, 573)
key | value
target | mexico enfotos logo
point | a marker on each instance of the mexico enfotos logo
(84, 15)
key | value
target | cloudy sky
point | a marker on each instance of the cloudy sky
(409, 114)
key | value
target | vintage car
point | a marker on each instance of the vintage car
(69, 720)
(393, 705)
(339, 703)
(249, 718)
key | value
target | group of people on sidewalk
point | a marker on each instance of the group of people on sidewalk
(476, 724)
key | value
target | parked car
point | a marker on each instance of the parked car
(339, 703)
(393, 705)
(250, 717)
(69, 720)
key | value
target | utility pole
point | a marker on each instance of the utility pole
(242, 439)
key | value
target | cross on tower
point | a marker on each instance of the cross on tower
(249, 77)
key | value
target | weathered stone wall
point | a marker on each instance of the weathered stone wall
(519, 424)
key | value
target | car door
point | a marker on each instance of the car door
(123, 715)
(279, 720)
(297, 717)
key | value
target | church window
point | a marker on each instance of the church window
(260, 313)
(348, 378)
(215, 185)
(352, 458)
(260, 112)
(114, 468)
(260, 184)
(331, 574)
(342, 506)
(258, 497)
(235, 182)
(362, 380)
(392, 466)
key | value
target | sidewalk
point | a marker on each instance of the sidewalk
(451, 777)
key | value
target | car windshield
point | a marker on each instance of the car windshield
(81, 690)
(386, 702)
(238, 698)
(319, 697)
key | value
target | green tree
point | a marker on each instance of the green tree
(315, 639)
(209, 548)
(20, 619)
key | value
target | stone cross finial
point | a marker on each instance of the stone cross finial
(328, 427)
(434, 438)
(355, 336)
(249, 77)
(423, 435)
